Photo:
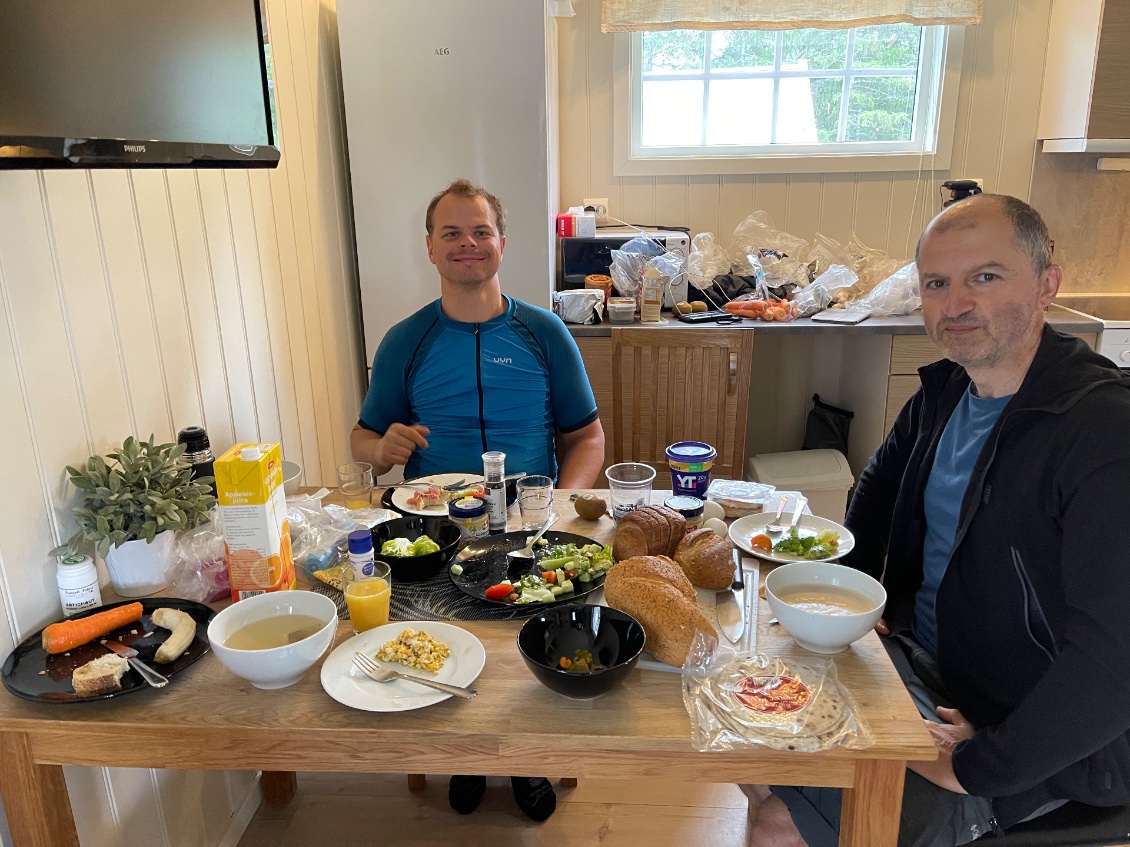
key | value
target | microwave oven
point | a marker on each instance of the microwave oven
(580, 256)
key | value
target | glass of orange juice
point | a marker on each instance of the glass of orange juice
(355, 479)
(367, 596)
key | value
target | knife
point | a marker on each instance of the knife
(730, 604)
(130, 655)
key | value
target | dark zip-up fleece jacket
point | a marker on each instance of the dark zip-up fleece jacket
(1034, 609)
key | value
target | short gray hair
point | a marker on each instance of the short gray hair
(1029, 232)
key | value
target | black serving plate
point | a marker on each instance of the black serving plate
(485, 563)
(29, 672)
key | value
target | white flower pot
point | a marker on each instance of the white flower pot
(137, 568)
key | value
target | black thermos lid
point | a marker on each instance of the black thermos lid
(194, 438)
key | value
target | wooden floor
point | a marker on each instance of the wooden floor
(348, 810)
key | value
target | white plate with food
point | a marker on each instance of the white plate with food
(429, 495)
(817, 539)
(349, 686)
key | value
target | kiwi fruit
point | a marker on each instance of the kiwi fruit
(683, 308)
(590, 507)
(699, 306)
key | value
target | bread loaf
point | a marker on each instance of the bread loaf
(99, 676)
(648, 531)
(654, 591)
(706, 559)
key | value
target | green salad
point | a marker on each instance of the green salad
(403, 547)
(562, 567)
(824, 545)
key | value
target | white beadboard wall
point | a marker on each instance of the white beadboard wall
(994, 140)
(146, 301)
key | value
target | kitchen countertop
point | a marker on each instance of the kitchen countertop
(1061, 319)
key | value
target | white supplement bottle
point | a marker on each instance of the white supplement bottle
(78, 584)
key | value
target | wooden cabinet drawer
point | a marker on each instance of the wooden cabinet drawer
(899, 390)
(910, 352)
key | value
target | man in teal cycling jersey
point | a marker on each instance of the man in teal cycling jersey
(476, 370)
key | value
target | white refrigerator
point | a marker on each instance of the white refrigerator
(436, 90)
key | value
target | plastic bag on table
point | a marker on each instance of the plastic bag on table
(630, 261)
(672, 267)
(319, 534)
(870, 264)
(783, 275)
(826, 252)
(738, 700)
(579, 306)
(832, 286)
(898, 294)
(706, 261)
(756, 234)
(199, 569)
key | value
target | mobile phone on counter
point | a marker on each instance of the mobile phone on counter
(708, 317)
(842, 316)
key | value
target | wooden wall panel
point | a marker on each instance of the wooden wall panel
(144, 301)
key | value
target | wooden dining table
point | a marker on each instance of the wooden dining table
(207, 718)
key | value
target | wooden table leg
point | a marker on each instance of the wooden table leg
(417, 782)
(35, 797)
(568, 782)
(279, 787)
(869, 816)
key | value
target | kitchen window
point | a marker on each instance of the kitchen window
(875, 98)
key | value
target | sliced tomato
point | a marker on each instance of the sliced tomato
(550, 577)
(762, 542)
(500, 591)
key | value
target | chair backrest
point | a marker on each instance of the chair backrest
(681, 384)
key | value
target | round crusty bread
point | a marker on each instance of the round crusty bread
(707, 559)
(655, 592)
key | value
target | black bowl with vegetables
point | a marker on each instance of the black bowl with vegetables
(417, 559)
(581, 651)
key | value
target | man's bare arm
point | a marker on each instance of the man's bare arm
(394, 447)
(580, 455)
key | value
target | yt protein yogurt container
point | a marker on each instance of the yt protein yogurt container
(690, 463)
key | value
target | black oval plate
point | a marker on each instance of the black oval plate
(29, 672)
(485, 563)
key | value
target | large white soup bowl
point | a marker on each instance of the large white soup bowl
(276, 667)
(815, 631)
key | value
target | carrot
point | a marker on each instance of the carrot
(64, 636)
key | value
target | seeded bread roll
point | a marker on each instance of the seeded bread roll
(707, 559)
(648, 531)
(654, 591)
(99, 676)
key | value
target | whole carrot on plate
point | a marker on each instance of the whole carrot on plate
(66, 635)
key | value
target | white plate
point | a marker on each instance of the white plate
(743, 528)
(401, 493)
(349, 686)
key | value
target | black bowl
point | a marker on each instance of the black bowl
(614, 638)
(438, 528)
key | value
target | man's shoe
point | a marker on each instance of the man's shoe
(465, 792)
(535, 796)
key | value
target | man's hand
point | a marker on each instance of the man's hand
(393, 448)
(946, 736)
(399, 443)
(882, 628)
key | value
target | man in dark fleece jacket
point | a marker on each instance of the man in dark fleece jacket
(995, 514)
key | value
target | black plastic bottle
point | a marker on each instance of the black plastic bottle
(198, 452)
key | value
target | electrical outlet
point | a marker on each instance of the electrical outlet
(600, 204)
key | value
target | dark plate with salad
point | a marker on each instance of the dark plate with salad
(565, 567)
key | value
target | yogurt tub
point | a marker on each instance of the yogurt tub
(690, 463)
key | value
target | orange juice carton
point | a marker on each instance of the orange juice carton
(249, 486)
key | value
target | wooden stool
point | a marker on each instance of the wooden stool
(417, 782)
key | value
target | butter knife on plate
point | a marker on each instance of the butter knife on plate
(729, 604)
(130, 655)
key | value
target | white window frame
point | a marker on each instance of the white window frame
(936, 115)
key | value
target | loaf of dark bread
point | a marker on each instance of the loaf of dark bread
(648, 531)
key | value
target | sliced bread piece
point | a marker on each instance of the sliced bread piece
(99, 676)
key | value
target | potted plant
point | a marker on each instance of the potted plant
(131, 508)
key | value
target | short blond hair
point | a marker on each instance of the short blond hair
(466, 188)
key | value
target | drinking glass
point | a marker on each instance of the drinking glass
(629, 483)
(355, 479)
(535, 500)
(367, 596)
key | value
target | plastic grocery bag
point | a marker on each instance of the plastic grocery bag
(898, 294)
(756, 235)
(706, 261)
(199, 567)
(834, 285)
(579, 306)
(630, 261)
(740, 700)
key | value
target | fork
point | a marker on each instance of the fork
(380, 673)
(455, 486)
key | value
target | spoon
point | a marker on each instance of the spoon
(527, 552)
(775, 526)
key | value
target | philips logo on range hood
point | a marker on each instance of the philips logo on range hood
(134, 148)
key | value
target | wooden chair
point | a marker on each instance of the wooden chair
(681, 384)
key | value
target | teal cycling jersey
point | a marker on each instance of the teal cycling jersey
(508, 384)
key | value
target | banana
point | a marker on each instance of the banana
(183, 628)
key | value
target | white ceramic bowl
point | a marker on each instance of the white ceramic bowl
(818, 632)
(277, 667)
(292, 472)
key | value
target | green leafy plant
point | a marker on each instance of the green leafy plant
(144, 489)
